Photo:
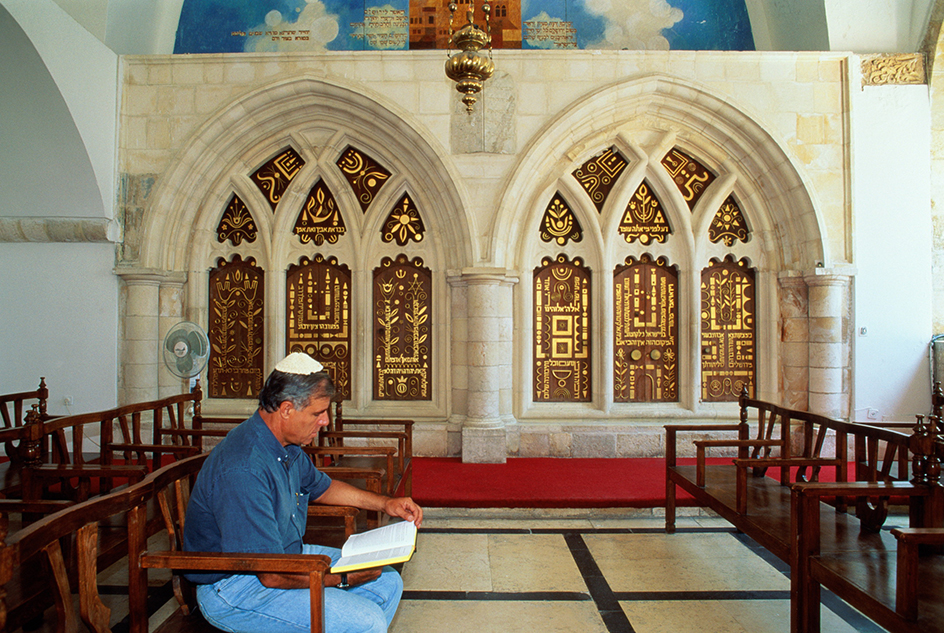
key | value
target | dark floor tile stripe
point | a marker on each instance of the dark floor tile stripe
(610, 611)
(638, 596)
(691, 530)
(521, 596)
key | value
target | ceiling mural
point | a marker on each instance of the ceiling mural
(349, 25)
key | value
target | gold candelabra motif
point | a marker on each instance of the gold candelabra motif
(469, 68)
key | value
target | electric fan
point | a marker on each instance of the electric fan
(186, 349)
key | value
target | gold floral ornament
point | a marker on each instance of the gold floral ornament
(404, 223)
(273, 178)
(644, 218)
(236, 224)
(559, 223)
(365, 175)
(319, 220)
(598, 175)
(728, 224)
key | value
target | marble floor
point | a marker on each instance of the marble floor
(496, 572)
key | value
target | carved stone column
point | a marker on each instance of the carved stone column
(795, 341)
(489, 361)
(829, 352)
(144, 302)
(140, 344)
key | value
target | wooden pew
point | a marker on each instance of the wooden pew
(794, 445)
(373, 432)
(126, 453)
(894, 578)
(75, 563)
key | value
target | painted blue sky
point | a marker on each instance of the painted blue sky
(231, 26)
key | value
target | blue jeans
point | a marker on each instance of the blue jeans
(241, 604)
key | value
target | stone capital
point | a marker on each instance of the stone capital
(145, 276)
(487, 276)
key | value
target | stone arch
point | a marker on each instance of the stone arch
(679, 112)
(645, 118)
(318, 117)
(268, 114)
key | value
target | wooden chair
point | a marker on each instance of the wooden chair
(172, 485)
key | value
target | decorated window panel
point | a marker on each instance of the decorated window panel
(728, 224)
(274, 177)
(236, 329)
(236, 224)
(689, 175)
(318, 316)
(728, 306)
(558, 224)
(562, 331)
(645, 218)
(320, 220)
(403, 224)
(598, 175)
(365, 175)
(645, 349)
(401, 324)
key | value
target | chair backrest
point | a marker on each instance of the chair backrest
(172, 485)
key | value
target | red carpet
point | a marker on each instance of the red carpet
(548, 482)
(541, 482)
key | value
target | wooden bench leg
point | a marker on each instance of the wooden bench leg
(804, 591)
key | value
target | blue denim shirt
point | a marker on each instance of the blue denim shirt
(251, 496)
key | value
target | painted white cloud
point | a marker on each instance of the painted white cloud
(634, 24)
(321, 26)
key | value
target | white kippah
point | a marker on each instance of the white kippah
(299, 363)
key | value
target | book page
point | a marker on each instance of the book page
(373, 559)
(393, 535)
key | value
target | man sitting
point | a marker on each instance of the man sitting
(252, 495)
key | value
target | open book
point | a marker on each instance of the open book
(387, 545)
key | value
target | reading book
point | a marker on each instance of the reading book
(388, 545)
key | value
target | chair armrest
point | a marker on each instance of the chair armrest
(671, 436)
(919, 536)
(906, 584)
(373, 477)
(861, 489)
(316, 566)
(59, 471)
(240, 562)
(40, 506)
(702, 427)
(737, 442)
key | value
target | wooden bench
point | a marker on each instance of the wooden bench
(374, 432)
(70, 541)
(126, 453)
(895, 577)
(796, 445)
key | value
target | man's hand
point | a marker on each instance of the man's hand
(405, 508)
(353, 578)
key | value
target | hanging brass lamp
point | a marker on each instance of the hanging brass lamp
(469, 67)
